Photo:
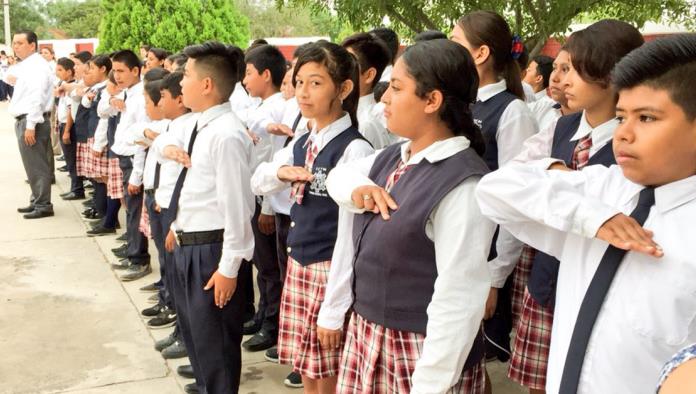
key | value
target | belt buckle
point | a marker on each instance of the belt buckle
(178, 238)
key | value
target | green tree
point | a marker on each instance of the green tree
(27, 15)
(76, 19)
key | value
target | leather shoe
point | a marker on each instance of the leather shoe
(261, 341)
(123, 247)
(166, 342)
(185, 371)
(100, 230)
(135, 271)
(191, 388)
(251, 327)
(28, 209)
(64, 194)
(74, 196)
(38, 214)
(121, 264)
(175, 350)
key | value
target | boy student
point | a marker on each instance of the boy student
(619, 227)
(126, 67)
(265, 70)
(373, 56)
(391, 40)
(212, 205)
(539, 77)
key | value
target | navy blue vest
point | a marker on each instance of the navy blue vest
(312, 237)
(93, 117)
(542, 280)
(82, 124)
(394, 266)
(487, 117)
(111, 133)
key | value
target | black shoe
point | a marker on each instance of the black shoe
(121, 255)
(100, 230)
(151, 288)
(175, 350)
(166, 342)
(28, 209)
(166, 318)
(100, 222)
(64, 194)
(92, 214)
(61, 158)
(136, 271)
(251, 327)
(154, 299)
(262, 340)
(73, 196)
(294, 380)
(123, 237)
(123, 247)
(88, 203)
(122, 264)
(153, 310)
(38, 214)
(89, 186)
(53, 181)
(191, 388)
(62, 169)
(185, 371)
(272, 355)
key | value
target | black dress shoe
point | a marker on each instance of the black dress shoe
(261, 341)
(101, 230)
(151, 288)
(185, 371)
(38, 214)
(123, 237)
(122, 264)
(191, 388)
(64, 194)
(175, 350)
(28, 209)
(93, 215)
(166, 342)
(135, 272)
(74, 196)
(251, 327)
(123, 247)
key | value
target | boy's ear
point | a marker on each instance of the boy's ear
(370, 75)
(346, 88)
(266, 75)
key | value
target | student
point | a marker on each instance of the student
(412, 234)
(239, 99)
(537, 75)
(65, 70)
(391, 40)
(373, 56)
(214, 206)
(155, 58)
(561, 67)
(265, 70)
(521, 56)
(286, 88)
(126, 66)
(175, 62)
(646, 258)
(326, 88)
(428, 35)
(506, 122)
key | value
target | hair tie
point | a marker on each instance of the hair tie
(517, 47)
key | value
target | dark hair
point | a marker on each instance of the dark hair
(257, 43)
(172, 83)
(153, 90)
(241, 64)
(159, 53)
(67, 64)
(178, 59)
(448, 67)
(370, 52)
(341, 67)
(83, 56)
(665, 64)
(219, 62)
(390, 38)
(31, 37)
(145, 47)
(490, 29)
(378, 91)
(429, 35)
(299, 49)
(522, 58)
(544, 68)
(154, 74)
(112, 79)
(595, 50)
(127, 57)
(268, 57)
(101, 61)
(3, 52)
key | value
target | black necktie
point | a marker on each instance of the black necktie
(594, 298)
(294, 128)
(176, 194)
(118, 115)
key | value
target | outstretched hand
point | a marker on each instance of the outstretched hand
(625, 233)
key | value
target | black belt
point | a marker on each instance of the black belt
(22, 116)
(200, 237)
(150, 192)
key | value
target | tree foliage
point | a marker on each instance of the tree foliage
(27, 15)
(74, 19)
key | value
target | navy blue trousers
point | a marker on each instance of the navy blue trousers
(137, 243)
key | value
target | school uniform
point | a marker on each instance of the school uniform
(578, 144)
(311, 239)
(69, 150)
(114, 184)
(412, 262)
(96, 167)
(505, 123)
(545, 110)
(81, 119)
(241, 102)
(213, 206)
(529, 95)
(372, 125)
(647, 314)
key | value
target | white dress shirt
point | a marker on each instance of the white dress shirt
(529, 95)
(33, 91)
(516, 124)
(63, 108)
(386, 74)
(462, 241)
(216, 193)
(650, 310)
(170, 170)
(133, 120)
(543, 110)
(161, 127)
(241, 102)
(372, 124)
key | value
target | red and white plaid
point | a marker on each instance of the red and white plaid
(520, 277)
(100, 165)
(401, 169)
(381, 360)
(83, 159)
(114, 182)
(581, 155)
(298, 344)
(144, 225)
(299, 188)
(530, 349)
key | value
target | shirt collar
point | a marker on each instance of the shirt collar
(438, 151)
(600, 134)
(367, 101)
(213, 113)
(488, 91)
(669, 196)
(321, 138)
(134, 90)
(98, 86)
(275, 97)
(541, 94)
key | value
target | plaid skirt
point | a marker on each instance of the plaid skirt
(114, 182)
(298, 344)
(99, 166)
(530, 350)
(84, 159)
(520, 277)
(381, 360)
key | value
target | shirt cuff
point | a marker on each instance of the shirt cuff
(331, 318)
(229, 264)
(31, 125)
(591, 215)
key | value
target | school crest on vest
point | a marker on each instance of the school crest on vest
(318, 185)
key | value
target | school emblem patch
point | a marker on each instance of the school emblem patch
(318, 185)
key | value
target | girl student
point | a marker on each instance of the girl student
(326, 81)
(418, 279)
(506, 122)
(156, 57)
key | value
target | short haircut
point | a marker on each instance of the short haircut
(217, 61)
(178, 59)
(429, 35)
(127, 57)
(66, 63)
(83, 56)
(172, 83)
(153, 90)
(268, 57)
(101, 61)
(31, 37)
(241, 65)
(379, 90)
(544, 68)
(595, 50)
(390, 38)
(154, 74)
(665, 64)
(299, 49)
(370, 52)
(159, 53)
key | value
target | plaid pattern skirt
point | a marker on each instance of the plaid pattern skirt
(520, 277)
(99, 167)
(114, 182)
(84, 159)
(298, 344)
(381, 360)
(530, 350)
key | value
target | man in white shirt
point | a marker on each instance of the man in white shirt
(31, 105)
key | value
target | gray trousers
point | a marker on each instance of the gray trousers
(36, 163)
